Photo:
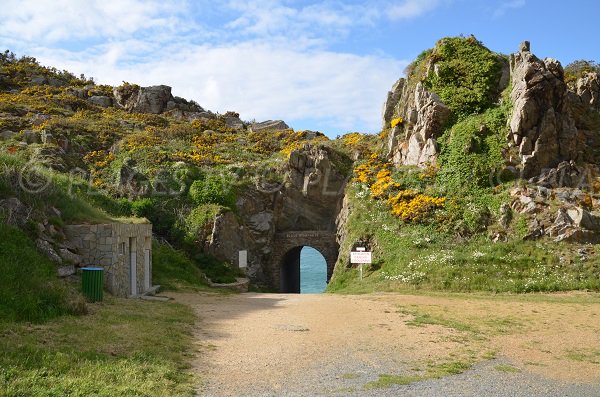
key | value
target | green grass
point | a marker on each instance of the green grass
(413, 257)
(124, 348)
(29, 288)
(387, 380)
(434, 371)
(173, 270)
(507, 368)
(589, 355)
(421, 318)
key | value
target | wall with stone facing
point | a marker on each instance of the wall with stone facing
(285, 264)
(109, 246)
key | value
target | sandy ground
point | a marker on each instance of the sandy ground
(305, 345)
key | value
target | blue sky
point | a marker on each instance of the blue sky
(320, 65)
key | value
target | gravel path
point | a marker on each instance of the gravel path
(256, 345)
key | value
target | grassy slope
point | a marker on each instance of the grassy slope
(29, 289)
(409, 257)
(173, 270)
(123, 348)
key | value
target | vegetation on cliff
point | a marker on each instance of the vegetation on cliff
(450, 226)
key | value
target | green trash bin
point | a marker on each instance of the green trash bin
(93, 283)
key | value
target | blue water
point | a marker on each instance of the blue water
(313, 271)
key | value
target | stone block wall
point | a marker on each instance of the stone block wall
(111, 246)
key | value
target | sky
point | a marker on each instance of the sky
(318, 65)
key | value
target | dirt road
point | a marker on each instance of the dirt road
(380, 345)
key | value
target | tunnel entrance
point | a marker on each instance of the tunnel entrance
(290, 272)
(302, 270)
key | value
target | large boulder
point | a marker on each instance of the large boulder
(272, 125)
(232, 120)
(137, 99)
(6, 135)
(31, 136)
(100, 100)
(584, 219)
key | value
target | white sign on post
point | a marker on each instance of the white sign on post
(360, 257)
(243, 259)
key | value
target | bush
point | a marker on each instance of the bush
(198, 218)
(467, 75)
(472, 151)
(578, 69)
(162, 215)
(143, 208)
(217, 271)
(214, 189)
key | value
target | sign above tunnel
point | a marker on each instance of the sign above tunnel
(360, 257)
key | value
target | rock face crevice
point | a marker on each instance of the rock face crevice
(413, 142)
(273, 219)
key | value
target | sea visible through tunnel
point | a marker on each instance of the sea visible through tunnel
(313, 271)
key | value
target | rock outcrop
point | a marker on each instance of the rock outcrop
(550, 124)
(155, 99)
(152, 99)
(588, 90)
(273, 125)
(232, 120)
(542, 125)
(413, 141)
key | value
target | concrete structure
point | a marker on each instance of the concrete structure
(123, 250)
(286, 256)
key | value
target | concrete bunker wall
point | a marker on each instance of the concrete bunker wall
(110, 246)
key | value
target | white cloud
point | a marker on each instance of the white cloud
(507, 6)
(268, 18)
(52, 21)
(340, 91)
(409, 9)
(265, 59)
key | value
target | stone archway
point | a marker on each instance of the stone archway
(286, 256)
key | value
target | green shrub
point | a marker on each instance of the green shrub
(216, 270)
(214, 188)
(467, 75)
(29, 287)
(578, 69)
(162, 214)
(198, 218)
(471, 151)
(143, 208)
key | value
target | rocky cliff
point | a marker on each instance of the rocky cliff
(307, 202)
(552, 138)
(550, 122)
